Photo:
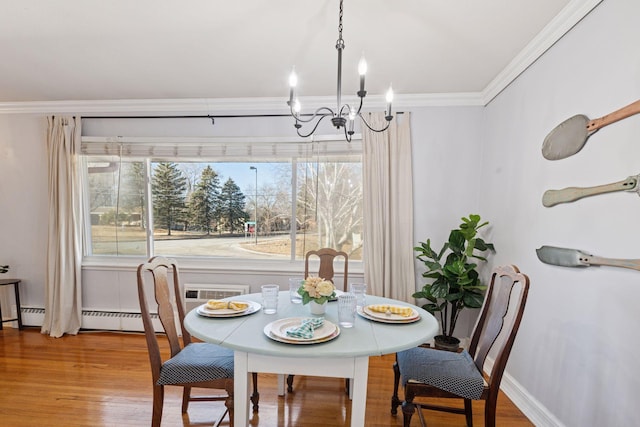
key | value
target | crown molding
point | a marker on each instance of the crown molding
(568, 17)
(573, 13)
(227, 105)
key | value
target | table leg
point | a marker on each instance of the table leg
(240, 389)
(280, 381)
(359, 391)
(16, 288)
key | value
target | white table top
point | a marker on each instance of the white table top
(366, 338)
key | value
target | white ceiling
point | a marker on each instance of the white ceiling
(79, 50)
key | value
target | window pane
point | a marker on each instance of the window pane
(117, 206)
(329, 202)
(209, 209)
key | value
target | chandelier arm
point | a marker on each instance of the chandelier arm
(312, 130)
(315, 114)
(347, 135)
(372, 129)
(360, 107)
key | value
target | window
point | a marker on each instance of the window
(239, 200)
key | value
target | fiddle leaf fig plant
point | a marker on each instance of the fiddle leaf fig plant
(455, 283)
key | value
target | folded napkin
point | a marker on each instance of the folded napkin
(305, 330)
(393, 309)
(214, 304)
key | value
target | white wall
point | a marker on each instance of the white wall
(23, 204)
(577, 348)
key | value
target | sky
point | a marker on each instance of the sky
(245, 177)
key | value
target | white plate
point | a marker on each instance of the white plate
(291, 340)
(227, 312)
(287, 341)
(393, 318)
(278, 328)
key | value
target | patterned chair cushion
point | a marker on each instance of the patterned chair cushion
(197, 362)
(452, 372)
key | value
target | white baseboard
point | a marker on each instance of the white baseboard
(535, 411)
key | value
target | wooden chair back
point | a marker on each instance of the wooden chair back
(499, 321)
(326, 270)
(154, 275)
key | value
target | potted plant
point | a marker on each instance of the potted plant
(316, 291)
(456, 283)
(4, 268)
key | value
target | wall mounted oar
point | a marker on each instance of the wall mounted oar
(571, 194)
(569, 137)
(574, 258)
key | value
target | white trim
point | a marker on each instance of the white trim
(552, 32)
(535, 411)
(226, 105)
(160, 140)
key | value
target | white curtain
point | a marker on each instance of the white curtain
(388, 208)
(63, 299)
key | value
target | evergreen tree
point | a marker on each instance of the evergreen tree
(232, 206)
(133, 190)
(167, 188)
(204, 200)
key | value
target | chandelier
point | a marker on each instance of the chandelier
(344, 115)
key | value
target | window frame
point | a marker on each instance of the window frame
(204, 263)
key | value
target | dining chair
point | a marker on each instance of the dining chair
(326, 270)
(427, 372)
(191, 364)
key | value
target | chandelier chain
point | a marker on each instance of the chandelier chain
(340, 41)
(340, 23)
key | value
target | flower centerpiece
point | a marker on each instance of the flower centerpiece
(316, 291)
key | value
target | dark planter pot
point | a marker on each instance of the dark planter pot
(444, 342)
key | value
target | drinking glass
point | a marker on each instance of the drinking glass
(359, 290)
(294, 284)
(346, 310)
(270, 298)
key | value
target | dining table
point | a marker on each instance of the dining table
(343, 354)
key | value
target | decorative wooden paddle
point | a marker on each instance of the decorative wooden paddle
(571, 194)
(574, 258)
(569, 137)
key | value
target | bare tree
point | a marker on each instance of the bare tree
(330, 201)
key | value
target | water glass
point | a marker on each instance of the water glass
(346, 310)
(270, 298)
(294, 285)
(359, 290)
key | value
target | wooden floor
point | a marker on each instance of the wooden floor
(103, 379)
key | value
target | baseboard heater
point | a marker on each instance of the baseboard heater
(194, 295)
(97, 320)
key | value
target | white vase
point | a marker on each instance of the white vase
(316, 308)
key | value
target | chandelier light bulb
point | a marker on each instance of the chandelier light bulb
(293, 82)
(293, 79)
(296, 106)
(389, 96)
(362, 70)
(352, 114)
(362, 66)
(389, 101)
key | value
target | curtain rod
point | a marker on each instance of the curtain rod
(209, 116)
